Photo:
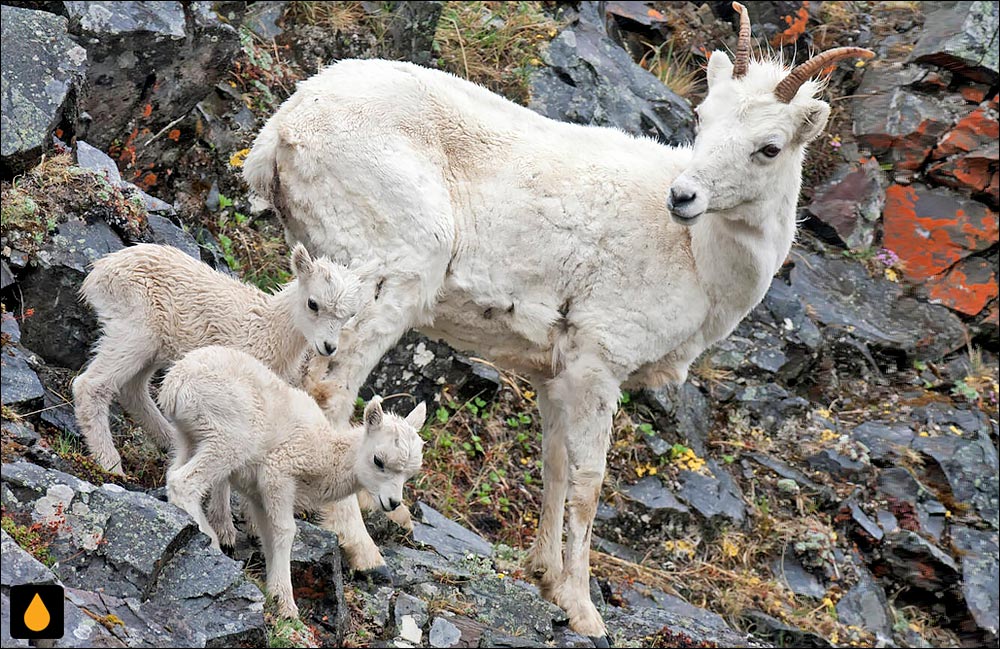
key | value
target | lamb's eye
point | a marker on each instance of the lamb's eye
(312, 305)
(379, 463)
(771, 150)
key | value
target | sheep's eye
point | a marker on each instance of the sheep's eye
(312, 305)
(770, 150)
(379, 463)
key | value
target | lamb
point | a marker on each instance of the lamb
(238, 422)
(579, 256)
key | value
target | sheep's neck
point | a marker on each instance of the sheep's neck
(338, 480)
(284, 343)
(736, 259)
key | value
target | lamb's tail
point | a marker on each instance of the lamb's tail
(177, 392)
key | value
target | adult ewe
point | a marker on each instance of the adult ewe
(580, 256)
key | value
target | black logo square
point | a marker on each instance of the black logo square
(37, 612)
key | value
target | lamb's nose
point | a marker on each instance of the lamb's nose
(679, 198)
(393, 503)
(330, 349)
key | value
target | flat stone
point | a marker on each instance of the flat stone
(443, 633)
(851, 203)
(865, 606)
(790, 571)
(883, 440)
(651, 493)
(448, 538)
(18, 382)
(93, 159)
(41, 68)
(408, 605)
(713, 496)
(166, 233)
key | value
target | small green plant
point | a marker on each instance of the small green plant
(646, 429)
(30, 538)
(966, 391)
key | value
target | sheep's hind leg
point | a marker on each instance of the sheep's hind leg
(586, 394)
(220, 514)
(136, 400)
(120, 357)
(545, 559)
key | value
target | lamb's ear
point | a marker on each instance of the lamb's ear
(373, 413)
(812, 119)
(302, 263)
(417, 416)
(719, 67)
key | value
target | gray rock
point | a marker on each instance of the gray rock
(846, 299)
(18, 382)
(375, 605)
(167, 234)
(591, 80)
(865, 522)
(770, 403)
(790, 571)
(58, 413)
(448, 538)
(916, 561)
(20, 433)
(411, 567)
(19, 567)
(962, 37)
(980, 574)
(683, 410)
(883, 440)
(93, 159)
(263, 19)
(150, 63)
(837, 464)
(318, 576)
(713, 496)
(407, 604)
(5, 639)
(851, 203)
(444, 633)
(971, 468)
(773, 630)
(41, 69)
(410, 33)
(6, 275)
(789, 312)
(63, 328)
(512, 606)
(653, 495)
(866, 606)
(673, 622)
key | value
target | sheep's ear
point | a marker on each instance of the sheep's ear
(302, 263)
(812, 119)
(719, 67)
(417, 416)
(373, 413)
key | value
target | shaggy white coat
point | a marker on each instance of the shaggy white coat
(240, 423)
(546, 246)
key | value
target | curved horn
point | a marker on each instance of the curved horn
(790, 85)
(743, 44)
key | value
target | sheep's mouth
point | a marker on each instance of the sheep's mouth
(685, 220)
(382, 504)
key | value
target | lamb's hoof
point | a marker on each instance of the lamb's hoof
(601, 642)
(379, 575)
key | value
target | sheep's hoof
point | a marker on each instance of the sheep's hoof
(601, 642)
(379, 575)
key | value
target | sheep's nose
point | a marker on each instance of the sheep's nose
(680, 198)
(330, 349)
(393, 503)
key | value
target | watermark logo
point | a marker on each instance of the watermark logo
(36, 612)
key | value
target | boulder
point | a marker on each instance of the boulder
(127, 554)
(589, 79)
(850, 302)
(980, 574)
(63, 329)
(150, 63)
(447, 538)
(962, 37)
(41, 70)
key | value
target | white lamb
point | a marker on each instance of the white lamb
(239, 422)
(579, 256)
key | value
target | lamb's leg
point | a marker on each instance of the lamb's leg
(121, 355)
(221, 516)
(586, 393)
(186, 488)
(278, 495)
(137, 402)
(400, 516)
(545, 559)
(344, 518)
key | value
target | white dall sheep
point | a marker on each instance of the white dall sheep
(238, 422)
(580, 256)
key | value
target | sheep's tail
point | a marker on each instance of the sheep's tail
(260, 169)
(177, 393)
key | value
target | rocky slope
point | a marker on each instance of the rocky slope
(828, 476)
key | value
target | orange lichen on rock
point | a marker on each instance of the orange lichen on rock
(976, 128)
(174, 134)
(797, 23)
(930, 230)
(968, 287)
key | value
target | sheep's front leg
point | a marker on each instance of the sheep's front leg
(545, 559)
(344, 518)
(278, 496)
(586, 394)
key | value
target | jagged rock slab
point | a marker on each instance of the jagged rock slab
(63, 328)
(41, 68)
(851, 203)
(19, 383)
(845, 298)
(448, 538)
(980, 574)
(961, 36)
(589, 79)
